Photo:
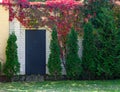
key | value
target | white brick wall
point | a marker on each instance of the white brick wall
(21, 50)
(48, 37)
(80, 39)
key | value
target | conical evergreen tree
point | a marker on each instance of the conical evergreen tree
(116, 72)
(108, 44)
(12, 66)
(73, 62)
(88, 61)
(54, 62)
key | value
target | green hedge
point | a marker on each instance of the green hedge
(106, 41)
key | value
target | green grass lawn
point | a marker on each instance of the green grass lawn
(62, 86)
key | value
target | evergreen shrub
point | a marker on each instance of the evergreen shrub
(12, 65)
(54, 62)
(73, 62)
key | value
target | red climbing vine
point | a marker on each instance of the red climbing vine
(62, 13)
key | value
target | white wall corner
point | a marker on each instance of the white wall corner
(48, 37)
(80, 46)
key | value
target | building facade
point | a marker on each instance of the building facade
(33, 44)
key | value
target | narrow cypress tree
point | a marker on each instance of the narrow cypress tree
(12, 66)
(54, 63)
(88, 62)
(108, 44)
(73, 62)
(116, 70)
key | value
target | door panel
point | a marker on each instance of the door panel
(35, 52)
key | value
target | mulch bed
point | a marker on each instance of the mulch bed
(3, 78)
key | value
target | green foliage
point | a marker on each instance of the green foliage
(108, 44)
(0, 68)
(116, 10)
(12, 66)
(92, 7)
(116, 72)
(106, 39)
(73, 62)
(88, 58)
(54, 62)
